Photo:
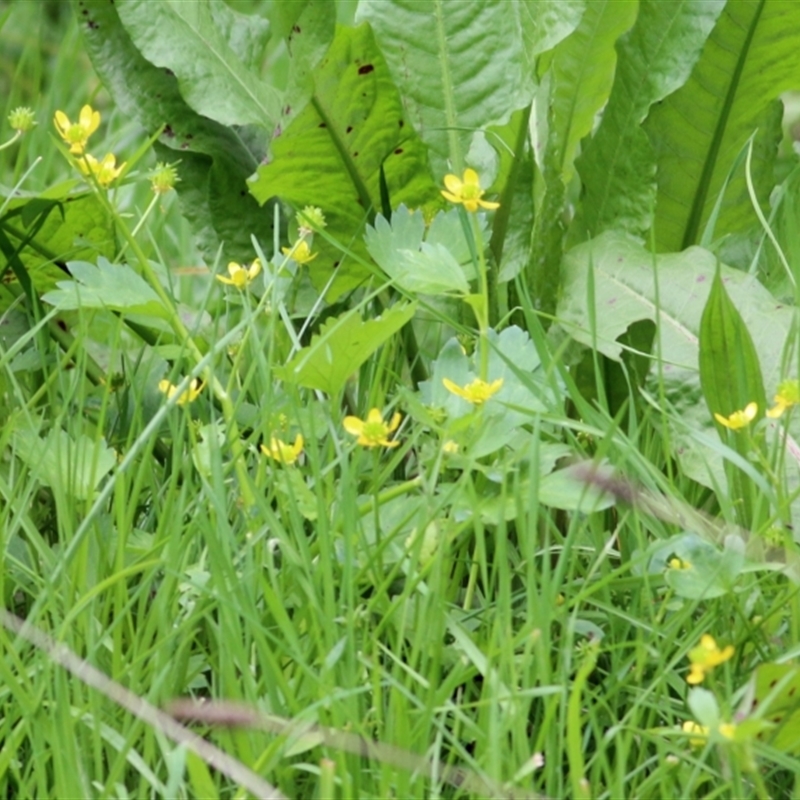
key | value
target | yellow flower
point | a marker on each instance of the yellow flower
(466, 191)
(76, 134)
(105, 171)
(739, 419)
(788, 395)
(450, 447)
(693, 728)
(477, 392)
(727, 729)
(700, 733)
(299, 252)
(186, 396)
(239, 276)
(678, 563)
(372, 432)
(705, 657)
(285, 453)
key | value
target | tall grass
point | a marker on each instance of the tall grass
(373, 595)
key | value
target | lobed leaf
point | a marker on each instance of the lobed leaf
(113, 286)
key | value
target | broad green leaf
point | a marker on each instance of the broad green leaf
(774, 696)
(577, 84)
(214, 53)
(625, 291)
(703, 705)
(332, 152)
(729, 370)
(561, 489)
(545, 23)
(341, 347)
(75, 466)
(113, 286)
(656, 56)
(582, 68)
(214, 161)
(459, 66)
(54, 227)
(751, 57)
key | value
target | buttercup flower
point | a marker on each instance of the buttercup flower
(21, 119)
(373, 432)
(186, 396)
(788, 395)
(700, 733)
(477, 392)
(727, 729)
(467, 191)
(285, 453)
(705, 657)
(239, 276)
(105, 171)
(678, 563)
(163, 178)
(76, 134)
(692, 727)
(739, 419)
(299, 252)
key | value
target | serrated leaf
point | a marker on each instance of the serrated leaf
(459, 66)
(214, 161)
(710, 572)
(341, 347)
(113, 286)
(426, 267)
(618, 166)
(196, 42)
(752, 56)
(332, 152)
(75, 466)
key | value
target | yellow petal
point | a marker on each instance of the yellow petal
(454, 184)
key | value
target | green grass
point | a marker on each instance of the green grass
(364, 593)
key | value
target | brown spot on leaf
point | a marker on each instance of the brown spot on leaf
(366, 69)
(349, 129)
(398, 151)
(168, 131)
(322, 125)
(296, 28)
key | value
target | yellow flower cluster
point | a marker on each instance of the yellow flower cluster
(188, 395)
(705, 657)
(76, 135)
